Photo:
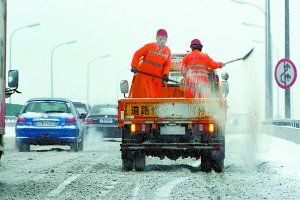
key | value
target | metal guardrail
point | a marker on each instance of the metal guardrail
(10, 120)
(284, 122)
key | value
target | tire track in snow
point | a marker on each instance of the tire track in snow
(135, 192)
(165, 191)
(68, 181)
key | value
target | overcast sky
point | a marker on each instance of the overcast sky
(118, 28)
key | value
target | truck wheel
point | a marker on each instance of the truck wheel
(206, 163)
(140, 161)
(218, 165)
(125, 134)
(218, 159)
(127, 164)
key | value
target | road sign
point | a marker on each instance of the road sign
(285, 73)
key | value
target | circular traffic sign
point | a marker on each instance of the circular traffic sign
(285, 73)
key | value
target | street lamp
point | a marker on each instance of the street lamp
(250, 4)
(88, 75)
(277, 116)
(52, 52)
(11, 37)
(253, 25)
(10, 43)
(268, 57)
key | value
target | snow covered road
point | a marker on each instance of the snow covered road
(256, 167)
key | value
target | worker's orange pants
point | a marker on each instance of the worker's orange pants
(144, 86)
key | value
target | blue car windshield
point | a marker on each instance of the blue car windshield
(47, 107)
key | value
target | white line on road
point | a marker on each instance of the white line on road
(72, 178)
(165, 191)
(62, 186)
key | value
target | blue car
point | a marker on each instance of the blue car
(49, 121)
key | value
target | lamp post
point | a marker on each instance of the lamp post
(52, 52)
(10, 43)
(277, 116)
(88, 75)
(268, 57)
(11, 37)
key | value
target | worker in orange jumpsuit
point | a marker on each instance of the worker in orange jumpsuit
(151, 66)
(195, 68)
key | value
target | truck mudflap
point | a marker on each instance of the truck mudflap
(170, 146)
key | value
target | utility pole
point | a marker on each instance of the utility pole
(269, 65)
(287, 55)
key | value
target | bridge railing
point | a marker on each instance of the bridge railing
(284, 122)
(10, 120)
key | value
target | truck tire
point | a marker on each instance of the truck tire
(218, 159)
(140, 161)
(218, 165)
(206, 163)
(127, 164)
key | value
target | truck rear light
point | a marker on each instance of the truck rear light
(132, 128)
(207, 128)
(211, 128)
(88, 120)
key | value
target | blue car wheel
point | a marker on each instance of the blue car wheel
(22, 147)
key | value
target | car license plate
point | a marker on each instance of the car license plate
(172, 130)
(45, 123)
(105, 120)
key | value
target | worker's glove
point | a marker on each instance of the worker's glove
(222, 65)
(165, 78)
(134, 70)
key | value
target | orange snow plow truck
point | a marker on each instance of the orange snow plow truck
(174, 126)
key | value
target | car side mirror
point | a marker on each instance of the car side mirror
(225, 76)
(82, 116)
(124, 86)
(13, 78)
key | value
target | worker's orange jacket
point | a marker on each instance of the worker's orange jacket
(152, 61)
(195, 68)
